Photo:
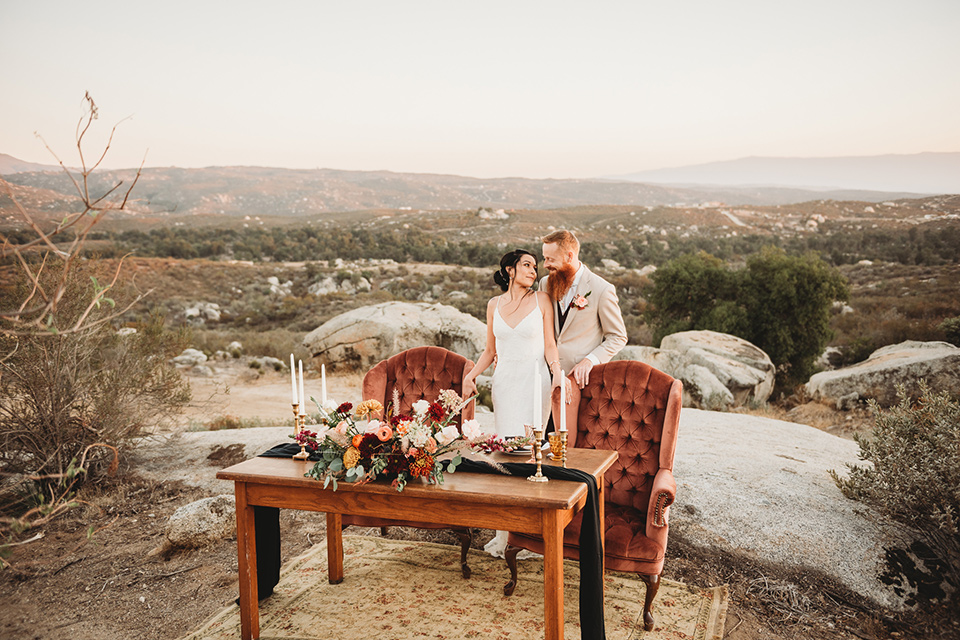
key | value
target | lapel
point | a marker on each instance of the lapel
(582, 288)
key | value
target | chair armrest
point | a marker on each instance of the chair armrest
(662, 495)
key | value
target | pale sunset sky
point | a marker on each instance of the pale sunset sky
(486, 89)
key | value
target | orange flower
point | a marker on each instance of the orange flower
(367, 408)
(351, 457)
(357, 439)
(384, 432)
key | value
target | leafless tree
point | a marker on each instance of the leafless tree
(35, 310)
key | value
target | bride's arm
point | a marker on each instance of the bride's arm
(550, 352)
(486, 358)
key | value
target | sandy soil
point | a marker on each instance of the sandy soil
(99, 572)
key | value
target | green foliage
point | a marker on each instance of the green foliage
(780, 303)
(788, 301)
(914, 472)
(62, 392)
(951, 328)
(695, 291)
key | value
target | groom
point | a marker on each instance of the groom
(587, 320)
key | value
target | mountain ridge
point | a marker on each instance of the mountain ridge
(241, 191)
(930, 172)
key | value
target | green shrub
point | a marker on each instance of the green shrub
(914, 475)
(951, 327)
(61, 392)
(780, 303)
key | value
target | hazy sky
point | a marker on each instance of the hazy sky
(535, 89)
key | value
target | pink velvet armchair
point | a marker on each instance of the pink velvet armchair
(420, 373)
(634, 409)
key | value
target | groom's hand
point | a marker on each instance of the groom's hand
(581, 372)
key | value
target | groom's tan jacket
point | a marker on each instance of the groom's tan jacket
(596, 329)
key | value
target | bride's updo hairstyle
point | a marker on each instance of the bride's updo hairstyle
(501, 277)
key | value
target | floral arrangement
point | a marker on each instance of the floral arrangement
(399, 447)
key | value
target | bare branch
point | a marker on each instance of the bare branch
(36, 313)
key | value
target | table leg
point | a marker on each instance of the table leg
(335, 548)
(247, 565)
(552, 575)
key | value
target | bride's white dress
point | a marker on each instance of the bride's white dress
(519, 350)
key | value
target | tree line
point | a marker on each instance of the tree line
(931, 245)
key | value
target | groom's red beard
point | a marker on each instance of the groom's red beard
(560, 280)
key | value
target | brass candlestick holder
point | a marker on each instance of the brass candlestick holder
(298, 421)
(538, 454)
(563, 449)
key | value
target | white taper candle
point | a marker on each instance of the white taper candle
(293, 381)
(537, 407)
(323, 384)
(563, 401)
(303, 398)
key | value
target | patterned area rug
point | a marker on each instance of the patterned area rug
(395, 589)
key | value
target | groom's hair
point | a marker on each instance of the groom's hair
(564, 238)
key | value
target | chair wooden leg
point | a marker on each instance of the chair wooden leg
(510, 555)
(383, 531)
(466, 537)
(653, 585)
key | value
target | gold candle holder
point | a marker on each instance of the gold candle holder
(563, 449)
(538, 454)
(298, 421)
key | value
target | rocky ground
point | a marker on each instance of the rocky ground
(99, 572)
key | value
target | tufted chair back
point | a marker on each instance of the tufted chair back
(417, 374)
(420, 373)
(634, 409)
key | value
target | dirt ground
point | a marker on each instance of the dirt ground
(99, 572)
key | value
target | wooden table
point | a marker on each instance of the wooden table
(488, 501)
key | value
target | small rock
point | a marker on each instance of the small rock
(202, 522)
(322, 287)
(190, 358)
(610, 265)
(848, 402)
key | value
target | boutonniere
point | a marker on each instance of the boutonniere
(580, 302)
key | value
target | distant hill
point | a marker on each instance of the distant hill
(9, 164)
(921, 173)
(259, 191)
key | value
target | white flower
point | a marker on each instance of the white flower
(420, 407)
(471, 430)
(372, 427)
(340, 435)
(447, 435)
(329, 406)
(419, 435)
(450, 400)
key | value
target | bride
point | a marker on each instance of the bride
(519, 338)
